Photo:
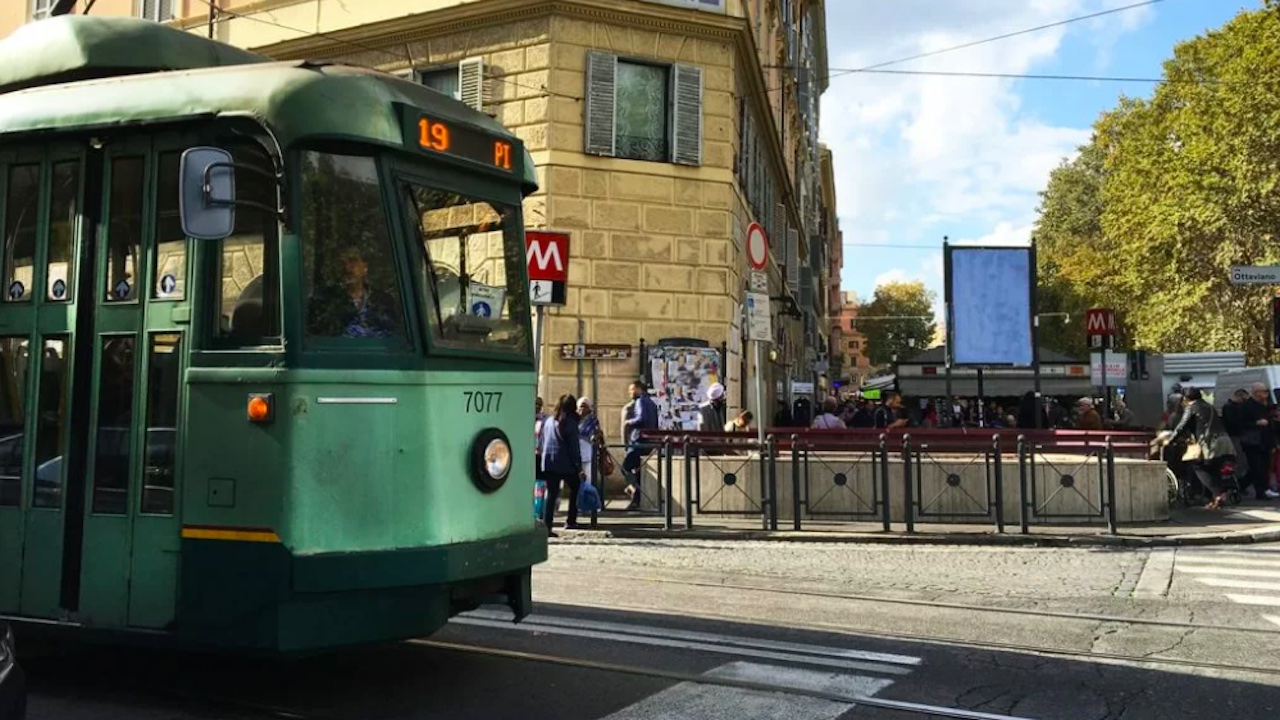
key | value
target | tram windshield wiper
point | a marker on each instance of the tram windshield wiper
(416, 222)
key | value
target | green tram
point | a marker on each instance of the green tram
(266, 367)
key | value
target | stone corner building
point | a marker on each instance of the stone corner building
(661, 130)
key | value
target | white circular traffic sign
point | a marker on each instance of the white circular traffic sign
(757, 247)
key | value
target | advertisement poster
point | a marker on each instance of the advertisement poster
(681, 377)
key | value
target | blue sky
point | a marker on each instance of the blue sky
(918, 158)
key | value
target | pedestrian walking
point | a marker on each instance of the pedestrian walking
(637, 416)
(561, 461)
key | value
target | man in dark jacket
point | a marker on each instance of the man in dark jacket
(1256, 438)
(639, 415)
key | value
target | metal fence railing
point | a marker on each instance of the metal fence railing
(938, 476)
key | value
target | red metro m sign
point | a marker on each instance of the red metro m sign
(547, 256)
(1100, 326)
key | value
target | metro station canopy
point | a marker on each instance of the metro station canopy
(925, 375)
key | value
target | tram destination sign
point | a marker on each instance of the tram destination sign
(433, 135)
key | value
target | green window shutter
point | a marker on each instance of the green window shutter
(686, 116)
(601, 114)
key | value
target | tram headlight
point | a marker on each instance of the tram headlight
(490, 459)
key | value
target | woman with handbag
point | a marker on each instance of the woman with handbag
(561, 461)
(1209, 448)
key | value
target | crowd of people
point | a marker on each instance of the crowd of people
(1217, 453)
(893, 412)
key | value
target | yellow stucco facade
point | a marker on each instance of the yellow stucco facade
(657, 245)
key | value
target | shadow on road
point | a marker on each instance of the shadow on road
(406, 680)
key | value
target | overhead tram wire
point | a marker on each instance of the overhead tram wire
(1020, 76)
(1006, 36)
(225, 14)
(833, 73)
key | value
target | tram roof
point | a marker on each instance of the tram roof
(140, 72)
(77, 47)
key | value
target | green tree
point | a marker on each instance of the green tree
(1192, 188)
(1069, 242)
(899, 320)
(1171, 192)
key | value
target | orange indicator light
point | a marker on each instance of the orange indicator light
(259, 408)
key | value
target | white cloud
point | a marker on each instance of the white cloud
(917, 156)
(1005, 234)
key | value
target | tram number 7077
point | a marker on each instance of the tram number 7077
(483, 402)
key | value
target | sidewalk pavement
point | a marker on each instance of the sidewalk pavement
(1248, 522)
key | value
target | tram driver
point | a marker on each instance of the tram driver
(350, 307)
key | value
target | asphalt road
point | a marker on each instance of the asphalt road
(629, 631)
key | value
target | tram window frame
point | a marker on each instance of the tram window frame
(26, 231)
(405, 345)
(215, 336)
(477, 188)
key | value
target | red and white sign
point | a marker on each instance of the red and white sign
(547, 253)
(757, 247)
(1100, 321)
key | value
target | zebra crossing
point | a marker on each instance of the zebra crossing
(1245, 575)
(839, 671)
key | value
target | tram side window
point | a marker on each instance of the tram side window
(162, 422)
(51, 424)
(124, 229)
(22, 202)
(171, 242)
(249, 261)
(65, 193)
(14, 359)
(349, 271)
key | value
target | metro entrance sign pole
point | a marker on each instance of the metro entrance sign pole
(1100, 325)
(759, 319)
(547, 257)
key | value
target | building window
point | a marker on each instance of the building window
(853, 324)
(444, 81)
(40, 9)
(643, 96)
(643, 111)
(463, 82)
(155, 10)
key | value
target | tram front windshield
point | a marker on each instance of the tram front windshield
(472, 255)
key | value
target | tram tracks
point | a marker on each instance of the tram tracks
(1098, 619)
(933, 604)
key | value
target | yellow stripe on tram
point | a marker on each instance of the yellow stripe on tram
(199, 532)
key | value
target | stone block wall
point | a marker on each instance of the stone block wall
(652, 250)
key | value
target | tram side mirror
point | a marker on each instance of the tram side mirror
(207, 197)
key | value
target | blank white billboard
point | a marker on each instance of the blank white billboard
(989, 291)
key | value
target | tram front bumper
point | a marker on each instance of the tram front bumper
(458, 563)
(261, 595)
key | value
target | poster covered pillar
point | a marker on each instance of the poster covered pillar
(681, 371)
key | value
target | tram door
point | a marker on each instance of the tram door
(41, 194)
(91, 339)
(129, 549)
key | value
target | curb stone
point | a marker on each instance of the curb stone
(1260, 535)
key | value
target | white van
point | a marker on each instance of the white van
(1229, 381)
